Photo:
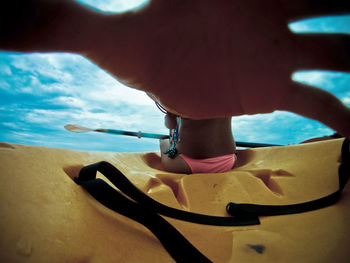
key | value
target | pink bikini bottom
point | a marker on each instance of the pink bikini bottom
(218, 164)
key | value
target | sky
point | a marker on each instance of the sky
(40, 93)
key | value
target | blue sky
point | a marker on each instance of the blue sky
(40, 93)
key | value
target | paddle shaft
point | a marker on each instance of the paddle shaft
(136, 134)
(162, 136)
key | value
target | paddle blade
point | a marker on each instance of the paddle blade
(76, 128)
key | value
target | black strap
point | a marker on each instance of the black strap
(144, 210)
(88, 173)
(271, 210)
(173, 241)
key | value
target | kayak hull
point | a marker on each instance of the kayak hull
(46, 217)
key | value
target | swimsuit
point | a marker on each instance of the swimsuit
(218, 164)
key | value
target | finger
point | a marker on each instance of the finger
(323, 51)
(317, 104)
(299, 9)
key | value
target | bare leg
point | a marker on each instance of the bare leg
(320, 105)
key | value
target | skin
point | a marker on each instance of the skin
(199, 139)
(201, 59)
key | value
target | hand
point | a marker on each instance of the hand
(205, 58)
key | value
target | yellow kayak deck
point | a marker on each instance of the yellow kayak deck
(46, 217)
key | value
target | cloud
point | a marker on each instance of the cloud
(72, 75)
(279, 127)
(106, 88)
(5, 69)
(4, 85)
(67, 101)
(11, 125)
(45, 65)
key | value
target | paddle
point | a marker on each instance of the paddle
(78, 129)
